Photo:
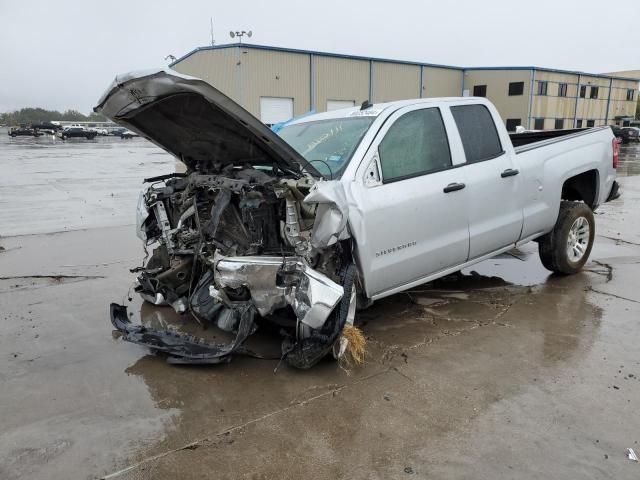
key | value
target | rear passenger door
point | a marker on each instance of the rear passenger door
(412, 201)
(493, 182)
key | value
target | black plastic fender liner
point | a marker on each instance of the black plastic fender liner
(184, 349)
(307, 352)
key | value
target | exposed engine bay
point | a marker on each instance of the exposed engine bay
(251, 233)
(239, 245)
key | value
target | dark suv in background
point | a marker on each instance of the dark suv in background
(76, 132)
(625, 134)
(631, 134)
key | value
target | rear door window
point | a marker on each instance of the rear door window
(478, 132)
(416, 144)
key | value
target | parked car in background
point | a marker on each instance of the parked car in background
(617, 132)
(128, 134)
(340, 208)
(46, 127)
(101, 131)
(625, 134)
(23, 132)
(78, 132)
(630, 134)
(117, 131)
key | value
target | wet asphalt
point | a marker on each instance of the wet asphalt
(502, 371)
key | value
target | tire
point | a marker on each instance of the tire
(567, 247)
(64, 137)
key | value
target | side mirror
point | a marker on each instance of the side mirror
(372, 176)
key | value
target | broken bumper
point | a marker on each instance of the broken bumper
(183, 349)
(273, 283)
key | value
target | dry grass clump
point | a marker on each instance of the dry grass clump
(356, 346)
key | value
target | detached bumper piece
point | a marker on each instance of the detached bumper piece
(184, 349)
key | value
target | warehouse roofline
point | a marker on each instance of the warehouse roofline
(312, 52)
(387, 60)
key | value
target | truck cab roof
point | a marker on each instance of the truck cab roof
(378, 109)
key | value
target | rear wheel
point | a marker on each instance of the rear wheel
(567, 247)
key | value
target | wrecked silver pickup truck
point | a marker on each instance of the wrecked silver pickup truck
(338, 209)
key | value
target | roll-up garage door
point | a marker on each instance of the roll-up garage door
(275, 109)
(338, 104)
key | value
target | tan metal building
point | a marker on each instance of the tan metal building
(543, 99)
(276, 84)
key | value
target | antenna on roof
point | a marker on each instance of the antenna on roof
(366, 104)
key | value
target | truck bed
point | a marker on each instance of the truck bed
(523, 142)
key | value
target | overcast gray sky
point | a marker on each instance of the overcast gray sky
(63, 54)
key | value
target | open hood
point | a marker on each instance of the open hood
(197, 123)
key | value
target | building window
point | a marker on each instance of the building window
(480, 91)
(583, 91)
(512, 123)
(542, 88)
(559, 124)
(416, 144)
(538, 124)
(562, 89)
(594, 92)
(478, 132)
(516, 88)
(579, 123)
(591, 123)
(630, 94)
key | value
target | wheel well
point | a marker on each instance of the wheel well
(582, 187)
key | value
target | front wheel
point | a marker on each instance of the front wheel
(567, 247)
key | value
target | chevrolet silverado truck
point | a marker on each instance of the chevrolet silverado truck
(339, 209)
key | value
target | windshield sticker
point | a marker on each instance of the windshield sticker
(365, 113)
(322, 138)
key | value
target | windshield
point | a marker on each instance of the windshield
(327, 144)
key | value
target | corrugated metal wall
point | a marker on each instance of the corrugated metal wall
(393, 81)
(273, 74)
(217, 67)
(339, 79)
(441, 82)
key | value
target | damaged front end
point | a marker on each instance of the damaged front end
(249, 232)
(229, 248)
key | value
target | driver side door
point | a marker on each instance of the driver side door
(412, 202)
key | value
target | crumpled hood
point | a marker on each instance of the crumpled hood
(197, 123)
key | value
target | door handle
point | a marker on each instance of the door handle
(510, 172)
(452, 187)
